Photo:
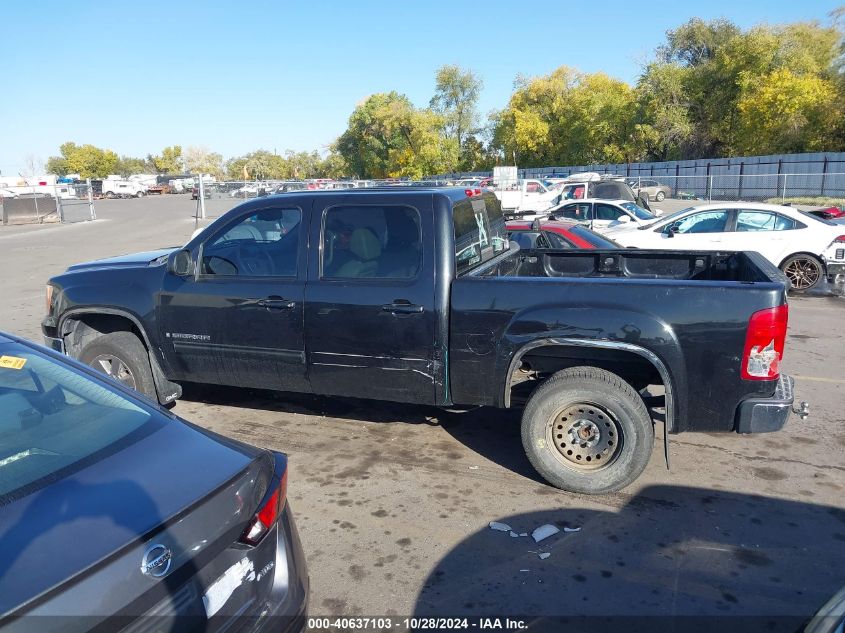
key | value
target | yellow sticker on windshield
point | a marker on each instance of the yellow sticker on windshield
(12, 362)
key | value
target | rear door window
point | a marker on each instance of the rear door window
(365, 241)
(579, 211)
(748, 221)
(56, 421)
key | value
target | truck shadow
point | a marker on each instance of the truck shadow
(491, 433)
(670, 558)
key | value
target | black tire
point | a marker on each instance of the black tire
(660, 197)
(804, 271)
(604, 405)
(127, 352)
(140, 194)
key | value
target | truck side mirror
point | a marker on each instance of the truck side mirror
(181, 263)
(671, 230)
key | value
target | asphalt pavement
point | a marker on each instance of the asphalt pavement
(393, 501)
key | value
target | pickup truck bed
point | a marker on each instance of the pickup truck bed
(416, 295)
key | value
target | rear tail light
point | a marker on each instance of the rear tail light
(764, 343)
(839, 240)
(268, 514)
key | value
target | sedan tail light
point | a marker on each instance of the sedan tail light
(764, 343)
(268, 513)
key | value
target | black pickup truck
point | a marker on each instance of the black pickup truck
(416, 295)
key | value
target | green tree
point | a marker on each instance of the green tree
(786, 112)
(57, 165)
(664, 122)
(170, 160)
(569, 118)
(455, 98)
(388, 137)
(128, 165)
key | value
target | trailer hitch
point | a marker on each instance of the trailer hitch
(802, 411)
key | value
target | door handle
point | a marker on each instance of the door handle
(276, 303)
(398, 307)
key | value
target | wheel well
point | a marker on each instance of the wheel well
(78, 331)
(538, 364)
(816, 257)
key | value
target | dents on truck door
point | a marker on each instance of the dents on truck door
(381, 368)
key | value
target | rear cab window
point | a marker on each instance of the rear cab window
(480, 233)
(56, 420)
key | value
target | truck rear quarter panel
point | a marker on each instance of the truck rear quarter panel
(697, 329)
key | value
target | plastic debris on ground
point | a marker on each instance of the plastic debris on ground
(568, 529)
(544, 555)
(501, 527)
(543, 532)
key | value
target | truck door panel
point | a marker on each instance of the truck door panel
(240, 320)
(369, 314)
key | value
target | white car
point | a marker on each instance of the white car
(603, 215)
(806, 248)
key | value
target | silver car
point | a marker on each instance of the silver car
(653, 189)
(116, 514)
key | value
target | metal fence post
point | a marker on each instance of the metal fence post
(59, 208)
(91, 199)
(202, 197)
(783, 192)
(709, 187)
(824, 175)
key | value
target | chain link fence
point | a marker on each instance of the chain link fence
(43, 203)
(775, 188)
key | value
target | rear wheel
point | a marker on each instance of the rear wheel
(109, 194)
(660, 197)
(803, 271)
(140, 194)
(122, 357)
(586, 430)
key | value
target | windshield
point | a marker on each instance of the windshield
(638, 211)
(56, 421)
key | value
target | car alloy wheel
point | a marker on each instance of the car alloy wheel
(803, 272)
(115, 368)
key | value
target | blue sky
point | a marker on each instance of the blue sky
(237, 76)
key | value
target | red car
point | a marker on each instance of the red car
(831, 213)
(556, 234)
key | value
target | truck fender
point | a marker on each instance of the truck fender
(166, 390)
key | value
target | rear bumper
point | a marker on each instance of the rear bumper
(835, 269)
(764, 415)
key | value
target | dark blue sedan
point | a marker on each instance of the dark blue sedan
(114, 513)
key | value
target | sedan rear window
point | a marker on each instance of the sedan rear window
(55, 421)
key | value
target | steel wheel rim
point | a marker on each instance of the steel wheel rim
(114, 368)
(584, 436)
(803, 273)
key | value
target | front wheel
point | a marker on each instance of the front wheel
(140, 194)
(803, 271)
(586, 430)
(122, 357)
